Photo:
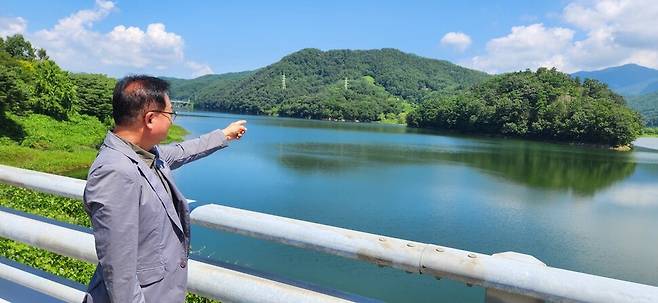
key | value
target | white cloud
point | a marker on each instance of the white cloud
(457, 40)
(614, 32)
(12, 25)
(76, 46)
(526, 47)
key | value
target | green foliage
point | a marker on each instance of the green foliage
(32, 83)
(42, 55)
(42, 143)
(379, 83)
(53, 207)
(14, 92)
(54, 93)
(45, 205)
(647, 105)
(69, 268)
(62, 147)
(546, 104)
(175, 134)
(94, 95)
(363, 100)
(45, 133)
(18, 47)
(650, 132)
(63, 161)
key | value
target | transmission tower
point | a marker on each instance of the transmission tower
(283, 81)
(345, 83)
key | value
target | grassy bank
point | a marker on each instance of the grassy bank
(650, 132)
(68, 148)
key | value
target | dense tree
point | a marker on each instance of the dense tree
(54, 93)
(42, 55)
(30, 82)
(18, 47)
(94, 94)
(14, 92)
(545, 104)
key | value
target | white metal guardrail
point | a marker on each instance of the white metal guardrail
(501, 274)
(204, 279)
(45, 286)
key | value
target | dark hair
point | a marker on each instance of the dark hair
(134, 95)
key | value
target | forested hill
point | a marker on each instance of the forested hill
(202, 87)
(365, 85)
(545, 104)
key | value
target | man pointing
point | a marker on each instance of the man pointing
(139, 217)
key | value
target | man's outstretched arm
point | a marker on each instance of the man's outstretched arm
(180, 153)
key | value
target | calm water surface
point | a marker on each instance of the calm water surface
(578, 208)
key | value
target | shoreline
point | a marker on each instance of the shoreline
(623, 148)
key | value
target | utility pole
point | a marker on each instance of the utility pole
(345, 83)
(283, 81)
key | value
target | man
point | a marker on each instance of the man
(140, 218)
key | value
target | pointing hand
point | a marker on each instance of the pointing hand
(235, 130)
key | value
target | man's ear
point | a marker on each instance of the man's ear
(149, 118)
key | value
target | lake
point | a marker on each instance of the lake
(573, 207)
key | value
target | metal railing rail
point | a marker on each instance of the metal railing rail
(204, 279)
(508, 272)
(43, 285)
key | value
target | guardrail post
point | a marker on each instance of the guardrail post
(498, 296)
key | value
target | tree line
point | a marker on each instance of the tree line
(32, 83)
(546, 104)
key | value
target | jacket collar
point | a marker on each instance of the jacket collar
(114, 142)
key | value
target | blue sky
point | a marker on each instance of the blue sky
(187, 39)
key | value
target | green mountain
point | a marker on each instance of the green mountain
(363, 85)
(647, 105)
(627, 80)
(202, 87)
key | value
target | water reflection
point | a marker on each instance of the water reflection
(582, 171)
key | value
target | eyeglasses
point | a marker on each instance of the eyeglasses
(172, 115)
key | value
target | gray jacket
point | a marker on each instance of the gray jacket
(142, 242)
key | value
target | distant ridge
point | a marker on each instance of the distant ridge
(183, 89)
(627, 80)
